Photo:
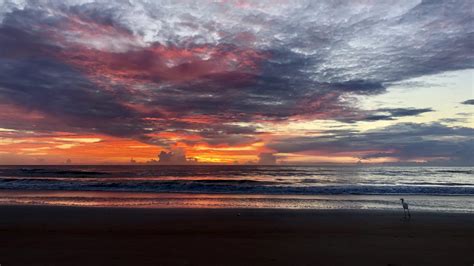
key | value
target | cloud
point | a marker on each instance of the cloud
(386, 114)
(176, 156)
(267, 158)
(138, 68)
(59, 91)
(403, 141)
(469, 102)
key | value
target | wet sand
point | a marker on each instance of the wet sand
(34, 235)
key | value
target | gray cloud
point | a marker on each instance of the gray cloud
(176, 156)
(386, 114)
(267, 158)
(404, 141)
(61, 92)
(469, 102)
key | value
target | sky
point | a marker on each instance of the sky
(236, 82)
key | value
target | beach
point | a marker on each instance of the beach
(59, 235)
(236, 132)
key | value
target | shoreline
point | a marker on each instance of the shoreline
(148, 200)
(389, 212)
(56, 235)
(9, 190)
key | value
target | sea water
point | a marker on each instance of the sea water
(240, 186)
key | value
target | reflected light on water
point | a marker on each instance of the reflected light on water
(175, 200)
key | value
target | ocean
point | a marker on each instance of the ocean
(238, 186)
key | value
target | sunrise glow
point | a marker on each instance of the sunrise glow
(235, 82)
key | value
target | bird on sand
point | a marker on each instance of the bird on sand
(405, 209)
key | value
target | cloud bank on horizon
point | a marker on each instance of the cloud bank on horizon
(212, 74)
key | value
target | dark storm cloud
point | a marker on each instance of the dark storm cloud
(403, 141)
(469, 102)
(128, 69)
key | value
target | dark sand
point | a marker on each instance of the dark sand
(32, 235)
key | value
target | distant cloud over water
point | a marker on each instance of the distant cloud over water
(469, 102)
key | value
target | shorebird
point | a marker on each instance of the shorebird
(405, 209)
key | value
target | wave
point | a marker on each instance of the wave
(439, 183)
(47, 172)
(469, 172)
(230, 186)
(308, 172)
(242, 179)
